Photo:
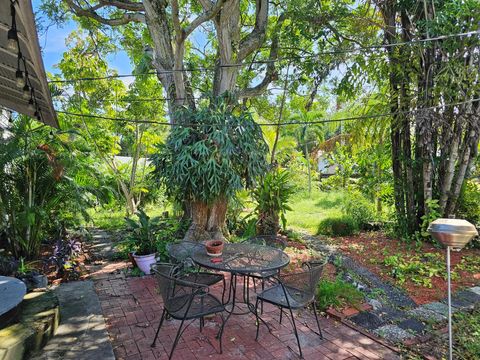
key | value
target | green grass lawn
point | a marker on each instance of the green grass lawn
(114, 219)
(309, 210)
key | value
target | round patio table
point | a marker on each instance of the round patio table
(242, 259)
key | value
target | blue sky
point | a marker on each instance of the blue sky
(53, 44)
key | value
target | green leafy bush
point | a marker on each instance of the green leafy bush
(45, 186)
(338, 226)
(467, 334)
(150, 235)
(360, 209)
(337, 294)
(417, 268)
(469, 202)
(141, 233)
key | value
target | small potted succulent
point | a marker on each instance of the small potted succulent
(214, 247)
(143, 237)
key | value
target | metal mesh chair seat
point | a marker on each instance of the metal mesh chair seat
(294, 290)
(277, 296)
(202, 305)
(184, 300)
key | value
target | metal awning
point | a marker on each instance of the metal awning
(12, 95)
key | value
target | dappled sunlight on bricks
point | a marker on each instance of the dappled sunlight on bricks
(132, 310)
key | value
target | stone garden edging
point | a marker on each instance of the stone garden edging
(393, 316)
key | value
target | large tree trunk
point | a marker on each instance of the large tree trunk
(208, 221)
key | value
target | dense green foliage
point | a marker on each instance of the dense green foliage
(213, 152)
(148, 235)
(46, 186)
(466, 330)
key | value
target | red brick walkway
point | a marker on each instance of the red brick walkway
(132, 310)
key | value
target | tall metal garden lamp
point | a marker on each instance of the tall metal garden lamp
(454, 234)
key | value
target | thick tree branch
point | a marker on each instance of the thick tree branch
(271, 73)
(256, 37)
(209, 14)
(176, 21)
(123, 4)
(91, 13)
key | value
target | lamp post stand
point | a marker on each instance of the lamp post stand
(453, 234)
(450, 335)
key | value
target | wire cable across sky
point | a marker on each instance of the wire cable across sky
(314, 122)
(268, 61)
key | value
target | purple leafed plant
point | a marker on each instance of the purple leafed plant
(65, 252)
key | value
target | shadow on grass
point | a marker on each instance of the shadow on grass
(330, 200)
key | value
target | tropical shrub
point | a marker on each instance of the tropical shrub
(45, 186)
(141, 233)
(337, 226)
(207, 158)
(358, 208)
(150, 235)
(272, 196)
(469, 202)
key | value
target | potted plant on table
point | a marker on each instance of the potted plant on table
(143, 237)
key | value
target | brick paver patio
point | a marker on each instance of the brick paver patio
(132, 311)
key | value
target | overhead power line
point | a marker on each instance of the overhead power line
(314, 122)
(268, 61)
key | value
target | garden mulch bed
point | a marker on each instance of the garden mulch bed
(371, 248)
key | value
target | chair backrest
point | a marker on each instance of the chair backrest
(306, 280)
(175, 293)
(182, 251)
(268, 240)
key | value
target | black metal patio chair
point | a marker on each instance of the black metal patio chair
(265, 240)
(294, 291)
(181, 253)
(184, 300)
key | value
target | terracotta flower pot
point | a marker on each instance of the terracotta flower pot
(214, 247)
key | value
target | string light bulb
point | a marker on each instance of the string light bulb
(12, 36)
(12, 43)
(26, 92)
(20, 81)
(30, 105)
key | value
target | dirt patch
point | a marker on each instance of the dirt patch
(372, 248)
